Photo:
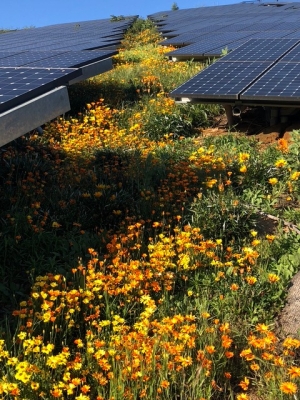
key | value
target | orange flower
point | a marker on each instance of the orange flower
(294, 372)
(288, 387)
(164, 384)
(56, 392)
(210, 349)
(247, 354)
(229, 354)
(283, 145)
(244, 384)
(226, 341)
(234, 287)
(254, 367)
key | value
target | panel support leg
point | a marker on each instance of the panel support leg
(229, 114)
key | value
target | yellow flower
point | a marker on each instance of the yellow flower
(270, 238)
(243, 157)
(35, 385)
(242, 396)
(210, 183)
(251, 280)
(55, 225)
(22, 335)
(243, 169)
(280, 163)
(295, 175)
(273, 181)
(273, 278)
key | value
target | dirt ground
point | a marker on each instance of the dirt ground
(252, 123)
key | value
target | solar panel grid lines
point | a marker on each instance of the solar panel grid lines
(215, 44)
(261, 50)
(74, 59)
(280, 84)
(221, 81)
(21, 84)
(205, 36)
(293, 56)
(53, 59)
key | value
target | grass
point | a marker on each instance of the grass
(133, 264)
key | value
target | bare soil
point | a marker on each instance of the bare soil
(252, 123)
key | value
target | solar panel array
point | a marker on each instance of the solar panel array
(262, 39)
(35, 61)
(206, 31)
(259, 71)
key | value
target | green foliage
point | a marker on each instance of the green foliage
(223, 216)
(182, 123)
(174, 7)
(115, 18)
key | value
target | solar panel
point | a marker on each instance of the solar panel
(217, 35)
(7, 59)
(200, 48)
(74, 59)
(18, 85)
(293, 56)
(53, 59)
(281, 83)
(221, 80)
(261, 50)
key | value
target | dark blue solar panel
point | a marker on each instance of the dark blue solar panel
(261, 50)
(18, 85)
(17, 60)
(200, 48)
(221, 80)
(206, 37)
(292, 56)
(44, 59)
(74, 59)
(281, 83)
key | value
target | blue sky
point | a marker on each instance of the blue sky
(24, 13)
